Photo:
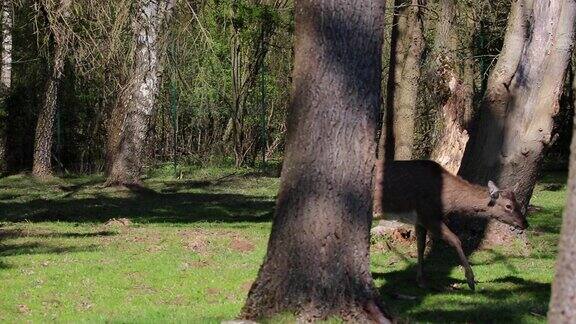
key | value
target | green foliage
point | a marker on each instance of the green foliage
(197, 69)
(200, 67)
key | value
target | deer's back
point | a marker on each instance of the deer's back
(412, 187)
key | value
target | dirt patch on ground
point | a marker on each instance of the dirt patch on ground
(196, 264)
(84, 305)
(246, 286)
(24, 309)
(242, 245)
(144, 289)
(213, 291)
(200, 240)
(394, 232)
(197, 245)
(213, 294)
(196, 240)
(149, 239)
(118, 222)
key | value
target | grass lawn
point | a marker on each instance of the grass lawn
(190, 249)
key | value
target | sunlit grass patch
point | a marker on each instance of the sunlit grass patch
(188, 251)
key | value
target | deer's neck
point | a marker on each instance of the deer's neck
(465, 198)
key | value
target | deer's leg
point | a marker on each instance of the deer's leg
(449, 237)
(421, 244)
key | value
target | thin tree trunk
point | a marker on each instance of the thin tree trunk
(516, 121)
(239, 93)
(317, 264)
(7, 23)
(130, 119)
(455, 78)
(388, 49)
(5, 75)
(246, 65)
(563, 299)
(405, 57)
(42, 163)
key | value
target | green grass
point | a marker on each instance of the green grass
(194, 246)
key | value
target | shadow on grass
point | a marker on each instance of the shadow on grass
(41, 248)
(175, 186)
(4, 265)
(147, 207)
(556, 177)
(455, 302)
(29, 248)
(499, 305)
(19, 233)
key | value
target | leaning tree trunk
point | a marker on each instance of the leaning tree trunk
(42, 164)
(452, 83)
(317, 264)
(516, 121)
(406, 53)
(130, 119)
(562, 308)
(5, 74)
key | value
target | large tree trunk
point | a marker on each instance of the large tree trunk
(5, 74)
(563, 293)
(516, 121)
(317, 264)
(452, 83)
(562, 308)
(130, 119)
(405, 57)
(42, 164)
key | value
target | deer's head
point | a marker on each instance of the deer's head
(504, 207)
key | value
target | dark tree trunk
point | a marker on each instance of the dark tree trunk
(317, 264)
(516, 119)
(42, 164)
(130, 119)
(562, 308)
(405, 58)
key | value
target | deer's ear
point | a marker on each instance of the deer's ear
(494, 190)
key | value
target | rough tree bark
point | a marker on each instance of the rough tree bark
(130, 119)
(516, 118)
(6, 13)
(453, 78)
(42, 164)
(317, 263)
(406, 53)
(562, 308)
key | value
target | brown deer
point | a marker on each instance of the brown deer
(422, 193)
